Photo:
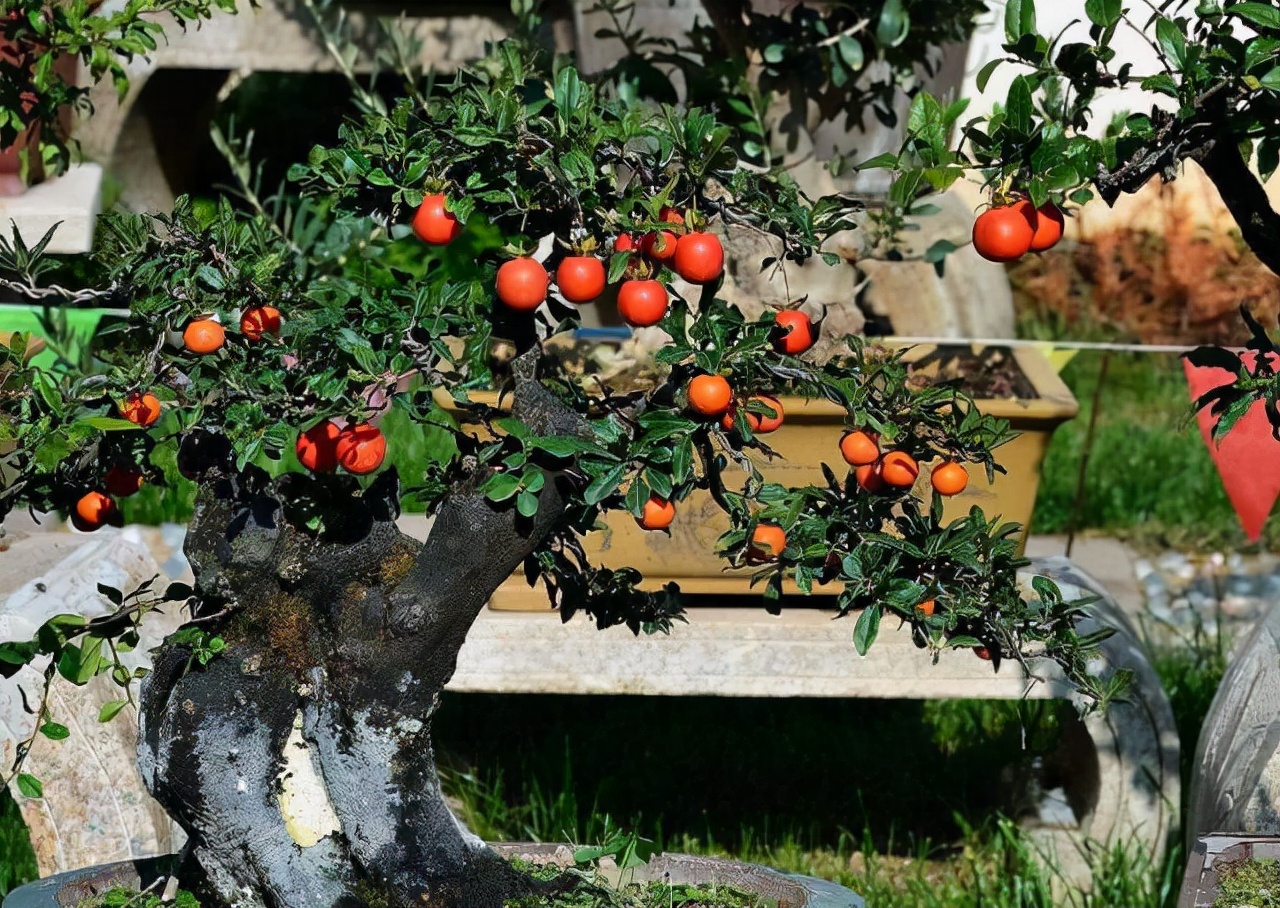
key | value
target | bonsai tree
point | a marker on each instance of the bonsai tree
(444, 244)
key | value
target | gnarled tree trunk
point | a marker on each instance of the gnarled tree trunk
(339, 646)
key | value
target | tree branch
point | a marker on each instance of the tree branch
(1244, 197)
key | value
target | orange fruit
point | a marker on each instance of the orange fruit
(317, 448)
(204, 336)
(258, 321)
(710, 395)
(869, 477)
(92, 510)
(1004, 233)
(361, 448)
(927, 607)
(794, 333)
(522, 284)
(859, 448)
(767, 542)
(122, 481)
(658, 514)
(762, 422)
(1049, 227)
(699, 258)
(949, 478)
(899, 468)
(141, 409)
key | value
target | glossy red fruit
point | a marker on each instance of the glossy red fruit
(710, 395)
(794, 334)
(361, 448)
(522, 284)
(141, 409)
(434, 223)
(699, 258)
(93, 510)
(581, 278)
(317, 448)
(642, 303)
(624, 242)
(660, 246)
(658, 514)
(1050, 224)
(260, 320)
(1004, 234)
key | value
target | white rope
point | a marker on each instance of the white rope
(1058, 345)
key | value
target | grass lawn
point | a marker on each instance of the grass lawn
(1149, 478)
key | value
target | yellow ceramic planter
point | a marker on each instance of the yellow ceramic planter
(809, 437)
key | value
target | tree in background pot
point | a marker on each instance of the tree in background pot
(42, 46)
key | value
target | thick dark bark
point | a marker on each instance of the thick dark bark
(1244, 197)
(349, 637)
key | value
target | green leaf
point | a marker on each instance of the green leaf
(894, 24)
(939, 251)
(1019, 19)
(774, 53)
(107, 424)
(55, 732)
(851, 52)
(864, 632)
(1263, 15)
(111, 709)
(1172, 40)
(501, 486)
(1105, 13)
(984, 74)
(30, 786)
(1018, 106)
(527, 503)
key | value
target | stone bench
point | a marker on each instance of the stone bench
(1122, 768)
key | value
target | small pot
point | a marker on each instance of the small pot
(1209, 854)
(13, 181)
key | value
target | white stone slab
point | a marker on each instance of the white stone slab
(72, 201)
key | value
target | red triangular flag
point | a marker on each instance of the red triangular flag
(1248, 458)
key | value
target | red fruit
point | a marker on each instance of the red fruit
(982, 653)
(141, 409)
(658, 514)
(92, 510)
(317, 448)
(949, 478)
(122, 481)
(762, 423)
(794, 334)
(710, 395)
(1003, 234)
(1049, 226)
(767, 542)
(642, 303)
(204, 336)
(859, 448)
(258, 321)
(699, 258)
(522, 284)
(434, 223)
(669, 215)
(898, 468)
(581, 278)
(869, 478)
(624, 242)
(361, 448)
(660, 246)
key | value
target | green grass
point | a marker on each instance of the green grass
(17, 860)
(1150, 478)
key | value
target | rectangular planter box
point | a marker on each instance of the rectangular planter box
(1210, 852)
(809, 437)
